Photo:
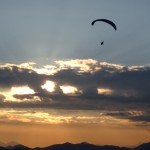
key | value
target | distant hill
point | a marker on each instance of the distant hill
(2, 148)
(145, 146)
(12, 143)
(2, 144)
(80, 146)
(18, 147)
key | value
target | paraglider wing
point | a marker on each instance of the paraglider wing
(107, 21)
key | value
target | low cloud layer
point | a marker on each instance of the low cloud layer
(97, 86)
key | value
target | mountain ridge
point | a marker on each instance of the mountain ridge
(79, 146)
(11, 143)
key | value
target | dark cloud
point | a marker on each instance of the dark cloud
(16, 76)
(129, 86)
(124, 81)
(142, 116)
(2, 97)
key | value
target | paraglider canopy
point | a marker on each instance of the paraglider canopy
(107, 21)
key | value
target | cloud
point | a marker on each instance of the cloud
(142, 116)
(99, 86)
(2, 97)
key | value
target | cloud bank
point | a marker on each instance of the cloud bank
(117, 90)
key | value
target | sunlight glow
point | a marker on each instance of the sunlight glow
(28, 65)
(22, 90)
(44, 117)
(69, 89)
(104, 91)
(48, 70)
(83, 65)
(49, 86)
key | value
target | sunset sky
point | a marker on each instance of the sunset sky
(59, 84)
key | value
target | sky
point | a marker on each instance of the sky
(59, 84)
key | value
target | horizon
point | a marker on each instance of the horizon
(14, 144)
(64, 77)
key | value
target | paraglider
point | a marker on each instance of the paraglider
(106, 21)
(102, 42)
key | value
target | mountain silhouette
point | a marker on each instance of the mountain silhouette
(2, 144)
(80, 146)
(17, 147)
(145, 146)
(2, 148)
(12, 143)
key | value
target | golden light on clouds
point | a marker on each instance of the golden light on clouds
(49, 86)
(45, 117)
(28, 65)
(22, 90)
(104, 91)
(47, 69)
(69, 89)
(84, 65)
(72, 127)
(60, 117)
